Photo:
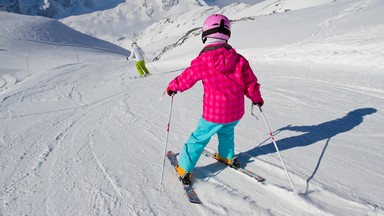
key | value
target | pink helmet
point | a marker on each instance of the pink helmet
(216, 26)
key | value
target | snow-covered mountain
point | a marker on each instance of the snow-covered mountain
(81, 135)
(63, 8)
(20, 31)
(126, 22)
(130, 21)
(57, 8)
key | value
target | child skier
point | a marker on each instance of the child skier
(138, 53)
(227, 77)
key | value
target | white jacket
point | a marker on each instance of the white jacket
(137, 53)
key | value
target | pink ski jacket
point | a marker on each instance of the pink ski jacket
(226, 77)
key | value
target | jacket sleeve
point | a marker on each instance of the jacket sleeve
(132, 54)
(251, 85)
(187, 78)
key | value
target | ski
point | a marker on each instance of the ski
(247, 172)
(138, 76)
(188, 189)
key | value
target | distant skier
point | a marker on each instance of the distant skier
(138, 54)
(226, 77)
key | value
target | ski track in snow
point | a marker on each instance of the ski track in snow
(353, 7)
(366, 91)
(85, 122)
(36, 163)
(86, 138)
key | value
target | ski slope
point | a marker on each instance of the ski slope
(80, 135)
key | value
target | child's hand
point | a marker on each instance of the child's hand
(259, 103)
(170, 92)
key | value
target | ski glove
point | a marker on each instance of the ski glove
(170, 92)
(260, 103)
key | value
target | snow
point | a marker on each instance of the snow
(57, 8)
(126, 21)
(80, 135)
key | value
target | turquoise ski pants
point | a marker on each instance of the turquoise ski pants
(200, 138)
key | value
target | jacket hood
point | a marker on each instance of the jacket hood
(223, 57)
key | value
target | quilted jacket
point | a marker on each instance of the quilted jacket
(226, 77)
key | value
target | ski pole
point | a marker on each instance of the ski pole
(151, 63)
(274, 142)
(130, 66)
(166, 142)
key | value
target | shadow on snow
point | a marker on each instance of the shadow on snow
(311, 134)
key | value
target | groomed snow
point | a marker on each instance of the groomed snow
(80, 135)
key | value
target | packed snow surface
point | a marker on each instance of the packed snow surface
(81, 134)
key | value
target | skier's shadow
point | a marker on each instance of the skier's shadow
(312, 134)
(208, 171)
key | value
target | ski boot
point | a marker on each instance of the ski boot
(184, 176)
(230, 162)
